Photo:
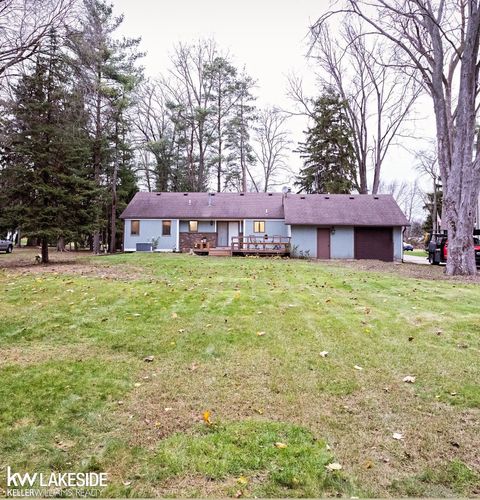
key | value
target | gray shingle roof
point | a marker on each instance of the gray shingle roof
(316, 209)
(344, 210)
(196, 206)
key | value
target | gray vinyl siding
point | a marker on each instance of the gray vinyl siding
(304, 238)
(272, 227)
(150, 229)
(204, 226)
(342, 243)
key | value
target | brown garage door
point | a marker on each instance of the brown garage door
(374, 243)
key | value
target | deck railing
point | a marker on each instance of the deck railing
(260, 244)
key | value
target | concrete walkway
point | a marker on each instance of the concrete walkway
(413, 259)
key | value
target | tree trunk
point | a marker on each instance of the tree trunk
(44, 250)
(61, 244)
(97, 153)
(113, 215)
(219, 132)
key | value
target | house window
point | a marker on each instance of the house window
(134, 227)
(166, 228)
(193, 226)
(259, 226)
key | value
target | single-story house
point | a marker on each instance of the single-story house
(324, 226)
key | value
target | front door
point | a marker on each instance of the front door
(232, 231)
(222, 234)
(225, 232)
(323, 243)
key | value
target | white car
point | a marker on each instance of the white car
(6, 246)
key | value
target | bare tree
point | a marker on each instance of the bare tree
(438, 43)
(271, 146)
(191, 73)
(408, 195)
(378, 97)
(156, 133)
(24, 24)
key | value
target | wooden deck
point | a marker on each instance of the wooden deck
(258, 245)
(248, 245)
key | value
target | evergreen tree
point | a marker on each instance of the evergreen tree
(106, 69)
(46, 181)
(329, 160)
(240, 158)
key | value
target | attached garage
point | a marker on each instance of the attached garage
(374, 243)
(346, 226)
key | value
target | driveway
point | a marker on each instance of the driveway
(414, 259)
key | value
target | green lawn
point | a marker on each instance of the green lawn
(240, 338)
(417, 253)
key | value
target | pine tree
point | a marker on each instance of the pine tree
(329, 160)
(106, 69)
(45, 177)
(240, 157)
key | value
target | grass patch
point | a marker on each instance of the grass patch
(245, 451)
(454, 478)
(76, 392)
(417, 253)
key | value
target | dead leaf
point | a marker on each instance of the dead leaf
(324, 354)
(398, 436)
(278, 444)
(333, 467)
(174, 315)
(357, 367)
(242, 480)
(368, 464)
(206, 417)
(148, 359)
(260, 334)
(409, 379)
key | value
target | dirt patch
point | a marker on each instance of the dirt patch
(27, 355)
(416, 271)
(22, 262)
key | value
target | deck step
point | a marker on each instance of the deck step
(220, 252)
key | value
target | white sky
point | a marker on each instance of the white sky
(267, 36)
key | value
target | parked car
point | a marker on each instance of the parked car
(6, 246)
(437, 247)
(407, 247)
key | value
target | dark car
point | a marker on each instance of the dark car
(6, 246)
(407, 247)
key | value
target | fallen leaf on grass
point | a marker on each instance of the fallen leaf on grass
(398, 436)
(324, 354)
(333, 467)
(174, 315)
(409, 379)
(148, 359)
(357, 367)
(260, 334)
(278, 444)
(242, 480)
(206, 417)
(127, 483)
(368, 464)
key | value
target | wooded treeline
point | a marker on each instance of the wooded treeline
(83, 129)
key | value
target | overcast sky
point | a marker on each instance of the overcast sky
(268, 37)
